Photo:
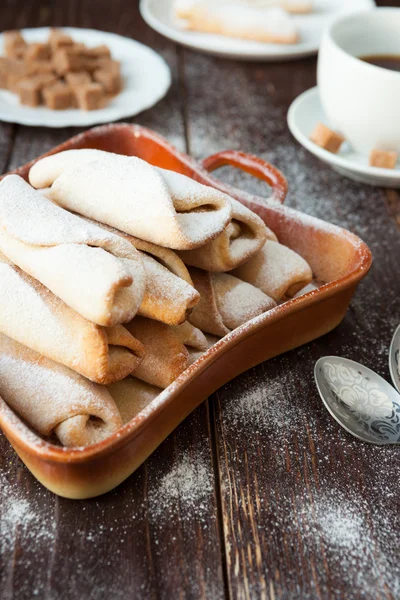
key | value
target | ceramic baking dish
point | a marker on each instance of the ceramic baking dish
(337, 257)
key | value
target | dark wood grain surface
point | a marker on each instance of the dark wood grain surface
(259, 494)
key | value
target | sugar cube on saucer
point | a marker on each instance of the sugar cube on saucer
(383, 159)
(326, 138)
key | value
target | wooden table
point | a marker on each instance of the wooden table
(259, 494)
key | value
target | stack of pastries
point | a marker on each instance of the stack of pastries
(115, 276)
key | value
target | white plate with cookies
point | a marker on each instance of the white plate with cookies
(303, 117)
(162, 16)
(145, 79)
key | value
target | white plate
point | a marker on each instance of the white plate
(305, 112)
(159, 15)
(146, 79)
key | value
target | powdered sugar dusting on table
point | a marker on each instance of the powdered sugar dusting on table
(27, 524)
(19, 513)
(185, 490)
(330, 521)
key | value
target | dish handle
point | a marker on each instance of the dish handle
(255, 166)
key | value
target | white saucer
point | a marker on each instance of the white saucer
(159, 15)
(146, 79)
(305, 112)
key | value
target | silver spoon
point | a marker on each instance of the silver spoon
(394, 353)
(361, 401)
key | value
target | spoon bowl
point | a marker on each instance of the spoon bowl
(394, 353)
(361, 401)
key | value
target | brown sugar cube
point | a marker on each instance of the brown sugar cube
(7, 67)
(109, 79)
(66, 60)
(13, 78)
(58, 96)
(59, 39)
(109, 64)
(90, 96)
(326, 138)
(98, 52)
(39, 66)
(29, 92)
(383, 159)
(89, 64)
(77, 79)
(3, 80)
(92, 64)
(43, 79)
(14, 44)
(12, 82)
(11, 71)
(30, 88)
(37, 51)
(77, 49)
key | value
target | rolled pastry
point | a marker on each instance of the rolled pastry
(270, 24)
(131, 396)
(33, 316)
(226, 302)
(276, 270)
(292, 6)
(244, 236)
(157, 205)
(167, 298)
(191, 337)
(165, 356)
(195, 341)
(54, 399)
(298, 6)
(98, 274)
(169, 294)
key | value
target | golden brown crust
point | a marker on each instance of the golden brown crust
(226, 302)
(52, 398)
(242, 238)
(32, 315)
(169, 295)
(165, 355)
(206, 315)
(131, 395)
(276, 270)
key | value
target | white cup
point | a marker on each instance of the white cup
(362, 101)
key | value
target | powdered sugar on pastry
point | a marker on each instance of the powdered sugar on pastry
(276, 270)
(298, 6)
(237, 301)
(169, 293)
(191, 336)
(49, 396)
(131, 395)
(166, 257)
(165, 355)
(292, 6)
(46, 170)
(167, 298)
(32, 315)
(183, 8)
(242, 238)
(269, 24)
(154, 204)
(226, 302)
(98, 274)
